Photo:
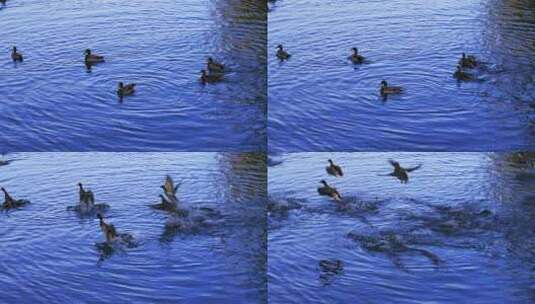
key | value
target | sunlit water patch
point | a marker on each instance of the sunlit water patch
(51, 102)
(319, 101)
(52, 254)
(460, 230)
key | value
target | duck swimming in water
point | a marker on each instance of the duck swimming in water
(214, 66)
(10, 202)
(210, 78)
(91, 58)
(126, 90)
(86, 196)
(327, 190)
(334, 266)
(400, 172)
(468, 61)
(281, 53)
(334, 170)
(386, 89)
(16, 56)
(355, 57)
(462, 75)
(107, 229)
(86, 205)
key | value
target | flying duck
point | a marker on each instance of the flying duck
(327, 190)
(400, 172)
(334, 170)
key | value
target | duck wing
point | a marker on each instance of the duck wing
(90, 196)
(169, 184)
(413, 168)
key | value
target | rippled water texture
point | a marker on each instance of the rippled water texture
(318, 101)
(48, 254)
(466, 220)
(51, 103)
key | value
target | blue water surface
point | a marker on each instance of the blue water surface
(50, 102)
(472, 212)
(319, 101)
(48, 254)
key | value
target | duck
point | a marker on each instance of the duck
(10, 202)
(281, 53)
(334, 169)
(126, 90)
(92, 58)
(468, 61)
(327, 190)
(210, 77)
(462, 75)
(16, 56)
(169, 187)
(355, 57)
(87, 198)
(402, 173)
(385, 89)
(333, 266)
(166, 203)
(214, 66)
(108, 229)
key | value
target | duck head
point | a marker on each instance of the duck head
(203, 72)
(279, 46)
(459, 68)
(323, 182)
(355, 50)
(120, 85)
(394, 163)
(14, 49)
(330, 161)
(210, 60)
(88, 52)
(463, 55)
(384, 84)
(4, 190)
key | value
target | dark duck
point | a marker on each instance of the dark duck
(329, 191)
(333, 169)
(400, 172)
